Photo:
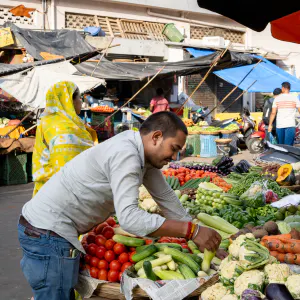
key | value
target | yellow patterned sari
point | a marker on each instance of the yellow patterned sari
(60, 135)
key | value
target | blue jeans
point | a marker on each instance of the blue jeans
(286, 136)
(47, 266)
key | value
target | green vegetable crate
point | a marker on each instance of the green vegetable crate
(13, 168)
(193, 145)
(172, 33)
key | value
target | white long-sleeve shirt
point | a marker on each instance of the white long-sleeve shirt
(98, 182)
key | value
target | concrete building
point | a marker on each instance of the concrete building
(137, 24)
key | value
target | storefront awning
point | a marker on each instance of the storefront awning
(267, 75)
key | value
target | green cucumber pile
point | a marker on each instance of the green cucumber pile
(173, 182)
(194, 183)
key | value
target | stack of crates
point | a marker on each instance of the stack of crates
(13, 168)
(208, 145)
(193, 145)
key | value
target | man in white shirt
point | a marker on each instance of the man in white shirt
(285, 105)
(95, 184)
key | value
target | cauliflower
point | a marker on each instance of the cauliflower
(143, 193)
(273, 260)
(293, 285)
(253, 279)
(276, 273)
(224, 262)
(234, 248)
(214, 292)
(230, 297)
(230, 272)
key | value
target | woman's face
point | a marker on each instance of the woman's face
(77, 102)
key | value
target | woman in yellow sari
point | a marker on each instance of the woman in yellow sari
(61, 134)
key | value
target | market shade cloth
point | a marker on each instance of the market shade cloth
(199, 52)
(67, 43)
(255, 14)
(287, 28)
(268, 77)
(14, 134)
(30, 88)
(139, 71)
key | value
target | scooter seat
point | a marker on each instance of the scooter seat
(291, 149)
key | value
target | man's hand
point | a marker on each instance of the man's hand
(207, 239)
(270, 127)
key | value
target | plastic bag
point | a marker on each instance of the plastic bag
(271, 197)
(272, 139)
(255, 195)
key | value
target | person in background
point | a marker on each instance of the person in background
(61, 134)
(267, 112)
(285, 105)
(159, 102)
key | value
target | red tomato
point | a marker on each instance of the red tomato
(100, 252)
(149, 242)
(84, 240)
(100, 240)
(182, 240)
(115, 265)
(94, 262)
(109, 255)
(92, 249)
(175, 240)
(91, 237)
(116, 226)
(111, 221)
(113, 276)
(125, 266)
(123, 258)
(132, 249)
(103, 264)
(130, 256)
(94, 272)
(165, 240)
(184, 246)
(100, 227)
(108, 232)
(85, 246)
(110, 244)
(119, 248)
(102, 275)
(87, 258)
(120, 276)
(87, 267)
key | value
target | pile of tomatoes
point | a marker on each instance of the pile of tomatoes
(105, 259)
(185, 174)
(180, 241)
(103, 108)
(220, 182)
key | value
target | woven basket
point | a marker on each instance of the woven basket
(210, 132)
(223, 141)
(228, 131)
(193, 132)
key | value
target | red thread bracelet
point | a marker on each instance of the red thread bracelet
(188, 233)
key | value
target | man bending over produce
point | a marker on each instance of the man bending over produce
(98, 182)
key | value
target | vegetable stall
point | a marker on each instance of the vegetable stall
(248, 207)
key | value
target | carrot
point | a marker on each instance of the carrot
(276, 245)
(290, 258)
(280, 237)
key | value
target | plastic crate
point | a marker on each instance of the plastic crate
(193, 145)
(172, 33)
(208, 145)
(13, 169)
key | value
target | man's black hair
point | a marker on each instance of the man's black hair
(167, 122)
(277, 92)
(76, 93)
(286, 85)
(159, 92)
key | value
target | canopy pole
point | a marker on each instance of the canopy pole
(245, 91)
(104, 53)
(213, 64)
(146, 84)
(236, 86)
(13, 129)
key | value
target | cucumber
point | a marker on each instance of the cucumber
(196, 258)
(159, 254)
(207, 179)
(193, 247)
(168, 180)
(168, 275)
(172, 181)
(183, 258)
(139, 264)
(147, 251)
(148, 271)
(140, 248)
(171, 265)
(162, 246)
(184, 250)
(186, 272)
(233, 201)
(177, 185)
(128, 241)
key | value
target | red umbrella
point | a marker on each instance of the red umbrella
(284, 19)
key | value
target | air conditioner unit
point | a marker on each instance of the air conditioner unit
(215, 41)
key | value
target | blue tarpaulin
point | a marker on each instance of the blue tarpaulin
(199, 52)
(267, 74)
(268, 77)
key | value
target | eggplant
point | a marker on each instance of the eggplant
(250, 295)
(276, 291)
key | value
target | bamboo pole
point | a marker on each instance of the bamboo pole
(236, 86)
(29, 129)
(104, 53)
(147, 83)
(213, 64)
(245, 91)
(13, 129)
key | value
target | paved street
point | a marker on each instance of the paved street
(13, 285)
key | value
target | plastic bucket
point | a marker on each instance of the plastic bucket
(172, 33)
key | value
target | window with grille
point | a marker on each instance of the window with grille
(115, 27)
(234, 36)
(6, 16)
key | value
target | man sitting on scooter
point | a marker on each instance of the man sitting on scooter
(285, 106)
(267, 113)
